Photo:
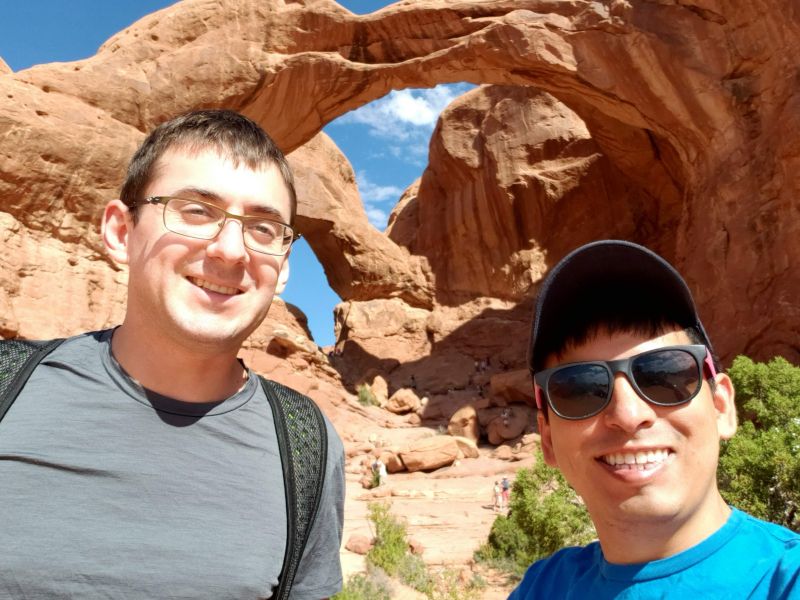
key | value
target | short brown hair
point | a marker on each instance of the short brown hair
(235, 136)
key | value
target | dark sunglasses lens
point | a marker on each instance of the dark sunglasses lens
(578, 391)
(668, 377)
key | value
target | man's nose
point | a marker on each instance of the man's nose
(627, 410)
(229, 243)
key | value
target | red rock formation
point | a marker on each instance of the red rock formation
(693, 106)
(430, 453)
(514, 176)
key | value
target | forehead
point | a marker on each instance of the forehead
(603, 345)
(234, 185)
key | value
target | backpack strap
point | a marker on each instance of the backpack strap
(303, 443)
(18, 359)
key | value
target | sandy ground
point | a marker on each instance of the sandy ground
(449, 512)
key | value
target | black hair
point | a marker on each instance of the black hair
(613, 307)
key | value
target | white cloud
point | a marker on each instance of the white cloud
(377, 217)
(405, 115)
(373, 196)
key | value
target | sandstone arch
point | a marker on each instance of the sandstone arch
(698, 102)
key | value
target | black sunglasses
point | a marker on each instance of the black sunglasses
(666, 376)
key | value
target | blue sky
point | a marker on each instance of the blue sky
(385, 141)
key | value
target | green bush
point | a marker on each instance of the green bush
(545, 515)
(759, 469)
(448, 586)
(390, 556)
(390, 547)
(362, 587)
(390, 551)
(366, 397)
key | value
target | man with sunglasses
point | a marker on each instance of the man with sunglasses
(144, 461)
(632, 407)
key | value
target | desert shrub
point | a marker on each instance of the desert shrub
(375, 479)
(390, 551)
(449, 586)
(390, 545)
(390, 554)
(366, 397)
(413, 572)
(363, 587)
(545, 515)
(759, 469)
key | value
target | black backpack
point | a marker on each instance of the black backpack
(302, 439)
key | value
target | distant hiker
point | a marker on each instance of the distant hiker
(147, 460)
(505, 484)
(497, 496)
(379, 471)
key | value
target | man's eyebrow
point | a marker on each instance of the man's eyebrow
(263, 210)
(195, 191)
(258, 210)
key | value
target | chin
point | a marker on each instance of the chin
(649, 509)
(218, 332)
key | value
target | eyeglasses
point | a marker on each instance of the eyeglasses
(204, 221)
(665, 376)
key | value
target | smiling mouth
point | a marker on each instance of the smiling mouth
(637, 461)
(212, 287)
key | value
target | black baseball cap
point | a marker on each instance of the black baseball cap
(609, 273)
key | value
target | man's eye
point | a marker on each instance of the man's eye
(196, 209)
(265, 228)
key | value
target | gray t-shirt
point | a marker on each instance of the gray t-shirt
(108, 490)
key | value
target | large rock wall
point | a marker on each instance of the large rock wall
(514, 177)
(694, 105)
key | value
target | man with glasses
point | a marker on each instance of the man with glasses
(632, 407)
(143, 461)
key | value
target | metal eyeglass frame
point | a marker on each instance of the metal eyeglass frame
(164, 200)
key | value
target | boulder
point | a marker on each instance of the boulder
(503, 452)
(464, 423)
(415, 546)
(467, 447)
(511, 423)
(359, 544)
(403, 401)
(513, 386)
(380, 389)
(392, 462)
(357, 448)
(430, 453)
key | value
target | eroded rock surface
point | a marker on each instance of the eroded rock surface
(694, 105)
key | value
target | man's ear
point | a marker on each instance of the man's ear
(115, 229)
(724, 402)
(283, 276)
(547, 439)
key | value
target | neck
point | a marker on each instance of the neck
(189, 374)
(629, 540)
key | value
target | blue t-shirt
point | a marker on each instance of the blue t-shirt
(746, 558)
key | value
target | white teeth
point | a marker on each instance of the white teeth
(213, 287)
(637, 460)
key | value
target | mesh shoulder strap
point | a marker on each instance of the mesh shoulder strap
(303, 444)
(18, 359)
